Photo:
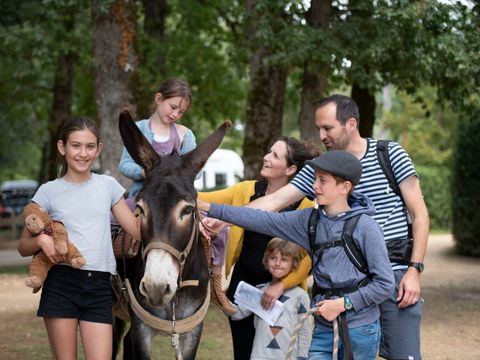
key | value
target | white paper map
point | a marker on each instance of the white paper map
(248, 297)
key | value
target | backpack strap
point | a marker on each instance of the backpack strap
(386, 165)
(312, 230)
(350, 246)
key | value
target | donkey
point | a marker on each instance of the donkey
(169, 279)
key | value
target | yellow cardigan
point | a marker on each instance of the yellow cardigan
(239, 195)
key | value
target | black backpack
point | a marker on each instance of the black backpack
(351, 248)
(386, 165)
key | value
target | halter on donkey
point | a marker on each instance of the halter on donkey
(170, 288)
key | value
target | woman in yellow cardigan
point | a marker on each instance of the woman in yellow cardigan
(245, 249)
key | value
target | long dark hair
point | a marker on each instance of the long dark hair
(70, 126)
(298, 152)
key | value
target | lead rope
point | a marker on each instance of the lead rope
(304, 317)
(335, 340)
(175, 335)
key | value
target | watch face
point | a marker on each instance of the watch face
(421, 267)
(347, 304)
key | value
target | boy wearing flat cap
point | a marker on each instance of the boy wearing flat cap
(340, 289)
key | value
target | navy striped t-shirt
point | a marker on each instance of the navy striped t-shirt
(390, 214)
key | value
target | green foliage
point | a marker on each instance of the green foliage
(436, 184)
(32, 37)
(424, 127)
(197, 47)
(465, 191)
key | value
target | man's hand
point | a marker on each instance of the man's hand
(409, 288)
(330, 309)
(271, 294)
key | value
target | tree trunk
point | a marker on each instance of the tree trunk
(265, 103)
(155, 12)
(366, 106)
(314, 75)
(115, 74)
(61, 104)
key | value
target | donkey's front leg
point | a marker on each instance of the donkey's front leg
(189, 342)
(138, 341)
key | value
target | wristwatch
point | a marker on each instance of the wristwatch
(347, 304)
(417, 265)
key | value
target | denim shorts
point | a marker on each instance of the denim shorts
(365, 340)
(72, 293)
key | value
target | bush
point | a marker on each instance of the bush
(466, 191)
(435, 183)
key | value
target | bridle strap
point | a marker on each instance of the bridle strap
(181, 326)
(180, 256)
(168, 248)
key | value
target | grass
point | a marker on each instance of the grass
(14, 270)
(24, 337)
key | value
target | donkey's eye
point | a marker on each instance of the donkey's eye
(139, 210)
(187, 210)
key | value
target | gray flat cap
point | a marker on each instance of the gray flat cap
(339, 163)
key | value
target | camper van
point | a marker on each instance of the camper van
(223, 168)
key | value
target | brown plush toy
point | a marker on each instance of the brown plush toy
(37, 220)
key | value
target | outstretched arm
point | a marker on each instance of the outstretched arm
(409, 288)
(281, 198)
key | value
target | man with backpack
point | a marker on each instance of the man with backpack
(395, 191)
(351, 269)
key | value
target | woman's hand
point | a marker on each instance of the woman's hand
(203, 205)
(271, 294)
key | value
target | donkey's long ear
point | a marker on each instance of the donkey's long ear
(196, 158)
(137, 145)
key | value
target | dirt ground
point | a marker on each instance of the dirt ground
(450, 287)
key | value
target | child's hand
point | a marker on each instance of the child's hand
(271, 294)
(210, 227)
(330, 309)
(48, 247)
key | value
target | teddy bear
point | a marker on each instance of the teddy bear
(37, 221)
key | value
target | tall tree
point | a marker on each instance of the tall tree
(367, 104)
(153, 49)
(115, 73)
(315, 70)
(62, 98)
(266, 91)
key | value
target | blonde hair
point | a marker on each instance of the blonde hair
(286, 248)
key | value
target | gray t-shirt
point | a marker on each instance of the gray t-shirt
(84, 209)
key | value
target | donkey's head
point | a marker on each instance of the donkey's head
(167, 204)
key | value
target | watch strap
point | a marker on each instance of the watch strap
(417, 265)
